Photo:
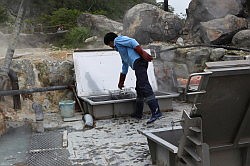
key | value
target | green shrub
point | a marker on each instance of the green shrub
(75, 37)
(62, 16)
(3, 14)
(100, 12)
(66, 17)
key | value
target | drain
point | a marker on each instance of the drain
(43, 141)
(56, 157)
(46, 149)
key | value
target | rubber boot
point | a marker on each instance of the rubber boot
(138, 109)
(155, 110)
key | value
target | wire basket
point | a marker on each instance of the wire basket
(125, 93)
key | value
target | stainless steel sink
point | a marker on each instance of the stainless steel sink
(108, 106)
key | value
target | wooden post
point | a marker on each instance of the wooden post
(14, 39)
(166, 5)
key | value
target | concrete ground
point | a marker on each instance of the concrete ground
(113, 141)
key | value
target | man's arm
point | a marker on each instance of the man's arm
(121, 80)
(143, 53)
(123, 75)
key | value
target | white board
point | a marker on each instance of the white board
(97, 72)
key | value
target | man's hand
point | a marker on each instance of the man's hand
(121, 80)
(143, 53)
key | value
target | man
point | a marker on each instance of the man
(132, 55)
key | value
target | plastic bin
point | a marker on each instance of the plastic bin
(67, 108)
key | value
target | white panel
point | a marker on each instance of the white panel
(97, 72)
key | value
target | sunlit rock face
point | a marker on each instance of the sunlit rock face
(205, 10)
(221, 30)
(99, 23)
(147, 23)
(41, 70)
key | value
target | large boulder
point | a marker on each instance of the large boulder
(147, 23)
(205, 10)
(99, 23)
(222, 30)
(46, 69)
(242, 39)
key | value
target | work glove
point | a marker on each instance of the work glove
(143, 53)
(121, 80)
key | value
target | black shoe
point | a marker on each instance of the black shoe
(154, 117)
(136, 116)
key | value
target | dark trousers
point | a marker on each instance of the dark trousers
(143, 89)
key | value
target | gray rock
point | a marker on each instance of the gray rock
(99, 23)
(196, 59)
(25, 69)
(147, 23)
(217, 54)
(205, 10)
(53, 73)
(222, 30)
(242, 39)
(38, 111)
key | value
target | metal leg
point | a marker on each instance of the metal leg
(205, 155)
(152, 149)
(246, 157)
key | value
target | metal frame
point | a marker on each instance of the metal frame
(216, 132)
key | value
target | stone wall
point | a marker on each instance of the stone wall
(2, 124)
(170, 66)
(37, 70)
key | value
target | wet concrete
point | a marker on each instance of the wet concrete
(14, 146)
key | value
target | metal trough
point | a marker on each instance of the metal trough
(97, 75)
(163, 144)
(217, 130)
(109, 106)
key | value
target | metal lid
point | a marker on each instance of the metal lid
(97, 72)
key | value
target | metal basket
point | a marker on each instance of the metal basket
(125, 93)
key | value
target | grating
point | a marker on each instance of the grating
(50, 140)
(56, 157)
(46, 149)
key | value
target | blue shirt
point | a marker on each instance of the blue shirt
(125, 46)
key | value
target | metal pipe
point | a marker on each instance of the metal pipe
(27, 91)
(205, 45)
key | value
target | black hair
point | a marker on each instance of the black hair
(109, 37)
